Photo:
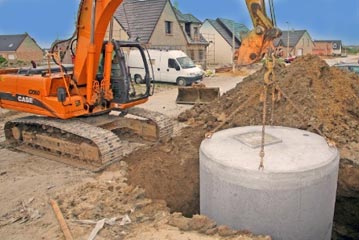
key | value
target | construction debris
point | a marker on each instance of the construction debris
(99, 225)
(65, 229)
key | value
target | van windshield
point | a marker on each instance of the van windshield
(186, 62)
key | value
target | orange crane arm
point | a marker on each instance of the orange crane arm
(93, 19)
(256, 43)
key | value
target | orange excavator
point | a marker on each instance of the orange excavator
(74, 103)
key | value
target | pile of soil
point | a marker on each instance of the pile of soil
(328, 100)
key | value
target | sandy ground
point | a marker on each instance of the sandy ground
(27, 183)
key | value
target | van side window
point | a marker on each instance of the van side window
(172, 63)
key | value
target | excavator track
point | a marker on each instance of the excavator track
(87, 143)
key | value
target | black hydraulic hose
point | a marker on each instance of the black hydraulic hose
(72, 38)
(153, 73)
(272, 12)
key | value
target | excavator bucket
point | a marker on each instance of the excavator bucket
(198, 93)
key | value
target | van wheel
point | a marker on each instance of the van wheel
(181, 82)
(138, 79)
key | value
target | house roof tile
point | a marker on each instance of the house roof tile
(139, 17)
(187, 18)
(335, 43)
(293, 36)
(11, 42)
(225, 28)
(239, 28)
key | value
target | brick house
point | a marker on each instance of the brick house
(295, 43)
(20, 47)
(221, 34)
(327, 47)
(158, 25)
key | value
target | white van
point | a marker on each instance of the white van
(168, 66)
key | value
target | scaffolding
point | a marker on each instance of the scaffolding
(211, 49)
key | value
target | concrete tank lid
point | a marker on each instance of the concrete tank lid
(287, 149)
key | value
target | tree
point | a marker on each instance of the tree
(2, 59)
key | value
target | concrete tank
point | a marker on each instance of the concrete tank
(292, 198)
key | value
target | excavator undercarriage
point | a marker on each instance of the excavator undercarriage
(90, 143)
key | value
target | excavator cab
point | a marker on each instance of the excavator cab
(121, 81)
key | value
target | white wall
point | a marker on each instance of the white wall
(220, 47)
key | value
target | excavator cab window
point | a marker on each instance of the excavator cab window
(100, 69)
(115, 67)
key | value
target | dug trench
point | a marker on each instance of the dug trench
(316, 97)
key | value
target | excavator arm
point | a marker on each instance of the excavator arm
(256, 43)
(93, 19)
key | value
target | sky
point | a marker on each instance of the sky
(48, 20)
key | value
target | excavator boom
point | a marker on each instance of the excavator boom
(93, 19)
(256, 42)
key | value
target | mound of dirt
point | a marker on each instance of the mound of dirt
(327, 99)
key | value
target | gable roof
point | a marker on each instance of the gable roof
(187, 18)
(139, 17)
(294, 37)
(221, 25)
(239, 28)
(335, 43)
(11, 42)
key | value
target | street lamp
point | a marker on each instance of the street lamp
(287, 39)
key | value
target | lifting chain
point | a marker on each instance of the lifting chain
(269, 83)
(277, 93)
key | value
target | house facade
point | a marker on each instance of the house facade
(295, 43)
(327, 47)
(196, 43)
(20, 47)
(155, 24)
(224, 37)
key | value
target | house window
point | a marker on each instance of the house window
(188, 29)
(196, 33)
(195, 30)
(201, 55)
(168, 27)
(191, 54)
